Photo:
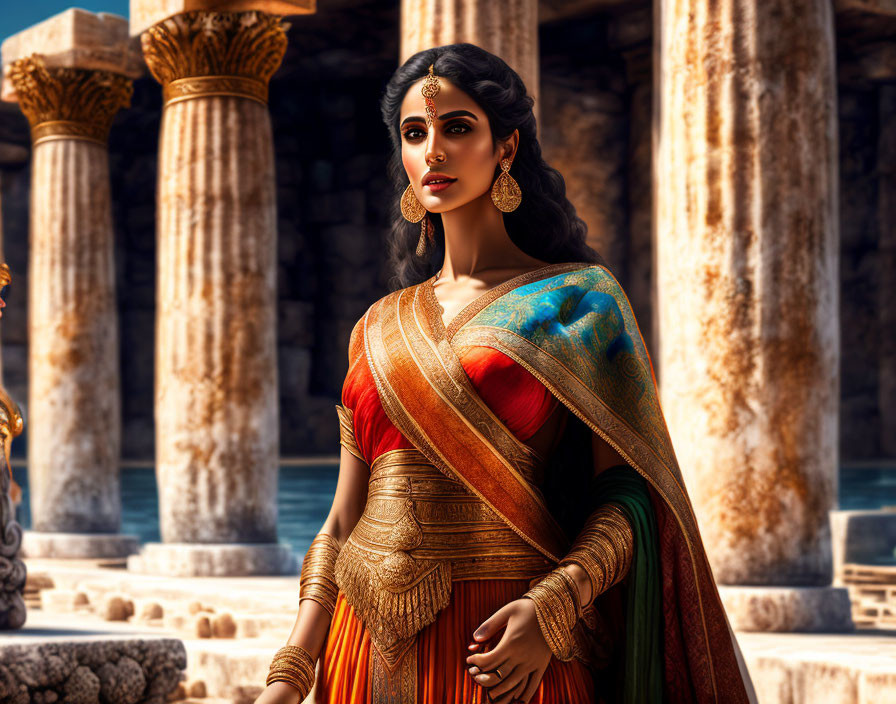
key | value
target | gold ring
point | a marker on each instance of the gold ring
(500, 676)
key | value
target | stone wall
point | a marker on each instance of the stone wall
(867, 112)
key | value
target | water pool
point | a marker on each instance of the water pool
(306, 491)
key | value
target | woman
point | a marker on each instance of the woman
(509, 522)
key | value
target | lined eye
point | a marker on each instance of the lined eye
(415, 133)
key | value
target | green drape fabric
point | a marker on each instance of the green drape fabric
(622, 485)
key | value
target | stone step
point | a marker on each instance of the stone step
(277, 595)
(193, 620)
(865, 574)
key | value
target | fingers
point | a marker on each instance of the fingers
(489, 677)
(509, 687)
(493, 624)
(527, 691)
(532, 686)
(488, 661)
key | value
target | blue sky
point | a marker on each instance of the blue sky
(16, 15)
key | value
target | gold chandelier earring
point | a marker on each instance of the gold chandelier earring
(506, 193)
(413, 211)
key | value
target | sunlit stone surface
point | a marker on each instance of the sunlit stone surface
(216, 364)
(73, 400)
(746, 253)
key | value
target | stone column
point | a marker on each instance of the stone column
(70, 93)
(216, 408)
(747, 254)
(508, 29)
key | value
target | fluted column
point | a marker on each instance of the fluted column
(73, 366)
(508, 29)
(216, 407)
(747, 256)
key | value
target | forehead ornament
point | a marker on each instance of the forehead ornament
(430, 90)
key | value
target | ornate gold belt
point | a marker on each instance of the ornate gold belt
(420, 531)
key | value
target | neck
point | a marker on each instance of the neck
(476, 240)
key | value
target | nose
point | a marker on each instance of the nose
(434, 152)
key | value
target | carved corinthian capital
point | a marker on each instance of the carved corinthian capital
(68, 103)
(196, 54)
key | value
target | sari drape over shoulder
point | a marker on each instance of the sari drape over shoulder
(571, 327)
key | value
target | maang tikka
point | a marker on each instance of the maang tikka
(411, 208)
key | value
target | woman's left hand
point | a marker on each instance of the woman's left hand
(522, 655)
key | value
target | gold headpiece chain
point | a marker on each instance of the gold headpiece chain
(430, 90)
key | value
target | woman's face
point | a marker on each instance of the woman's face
(457, 146)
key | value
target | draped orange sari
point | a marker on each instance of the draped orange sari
(467, 397)
(523, 403)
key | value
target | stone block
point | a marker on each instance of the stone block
(75, 39)
(202, 626)
(295, 323)
(145, 13)
(124, 671)
(116, 608)
(60, 600)
(876, 687)
(151, 610)
(13, 155)
(788, 609)
(339, 206)
(863, 537)
(223, 626)
(196, 688)
(78, 545)
(213, 560)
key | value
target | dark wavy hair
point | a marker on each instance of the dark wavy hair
(545, 225)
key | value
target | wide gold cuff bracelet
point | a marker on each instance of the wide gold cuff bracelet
(558, 609)
(604, 548)
(318, 579)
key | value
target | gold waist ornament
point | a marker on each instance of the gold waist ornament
(420, 531)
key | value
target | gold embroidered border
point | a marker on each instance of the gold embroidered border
(398, 686)
(469, 311)
(381, 361)
(632, 447)
(443, 369)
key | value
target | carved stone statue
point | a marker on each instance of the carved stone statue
(12, 569)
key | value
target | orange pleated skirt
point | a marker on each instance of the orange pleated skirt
(442, 675)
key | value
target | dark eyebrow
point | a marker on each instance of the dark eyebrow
(446, 116)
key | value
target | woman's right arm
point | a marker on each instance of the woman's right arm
(313, 620)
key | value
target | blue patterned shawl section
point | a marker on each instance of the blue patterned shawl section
(577, 333)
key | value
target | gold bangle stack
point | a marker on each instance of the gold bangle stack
(294, 665)
(604, 548)
(318, 579)
(558, 610)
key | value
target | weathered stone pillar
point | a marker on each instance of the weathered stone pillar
(216, 408)
(746, 253)
(70, 92)
(508, 29)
